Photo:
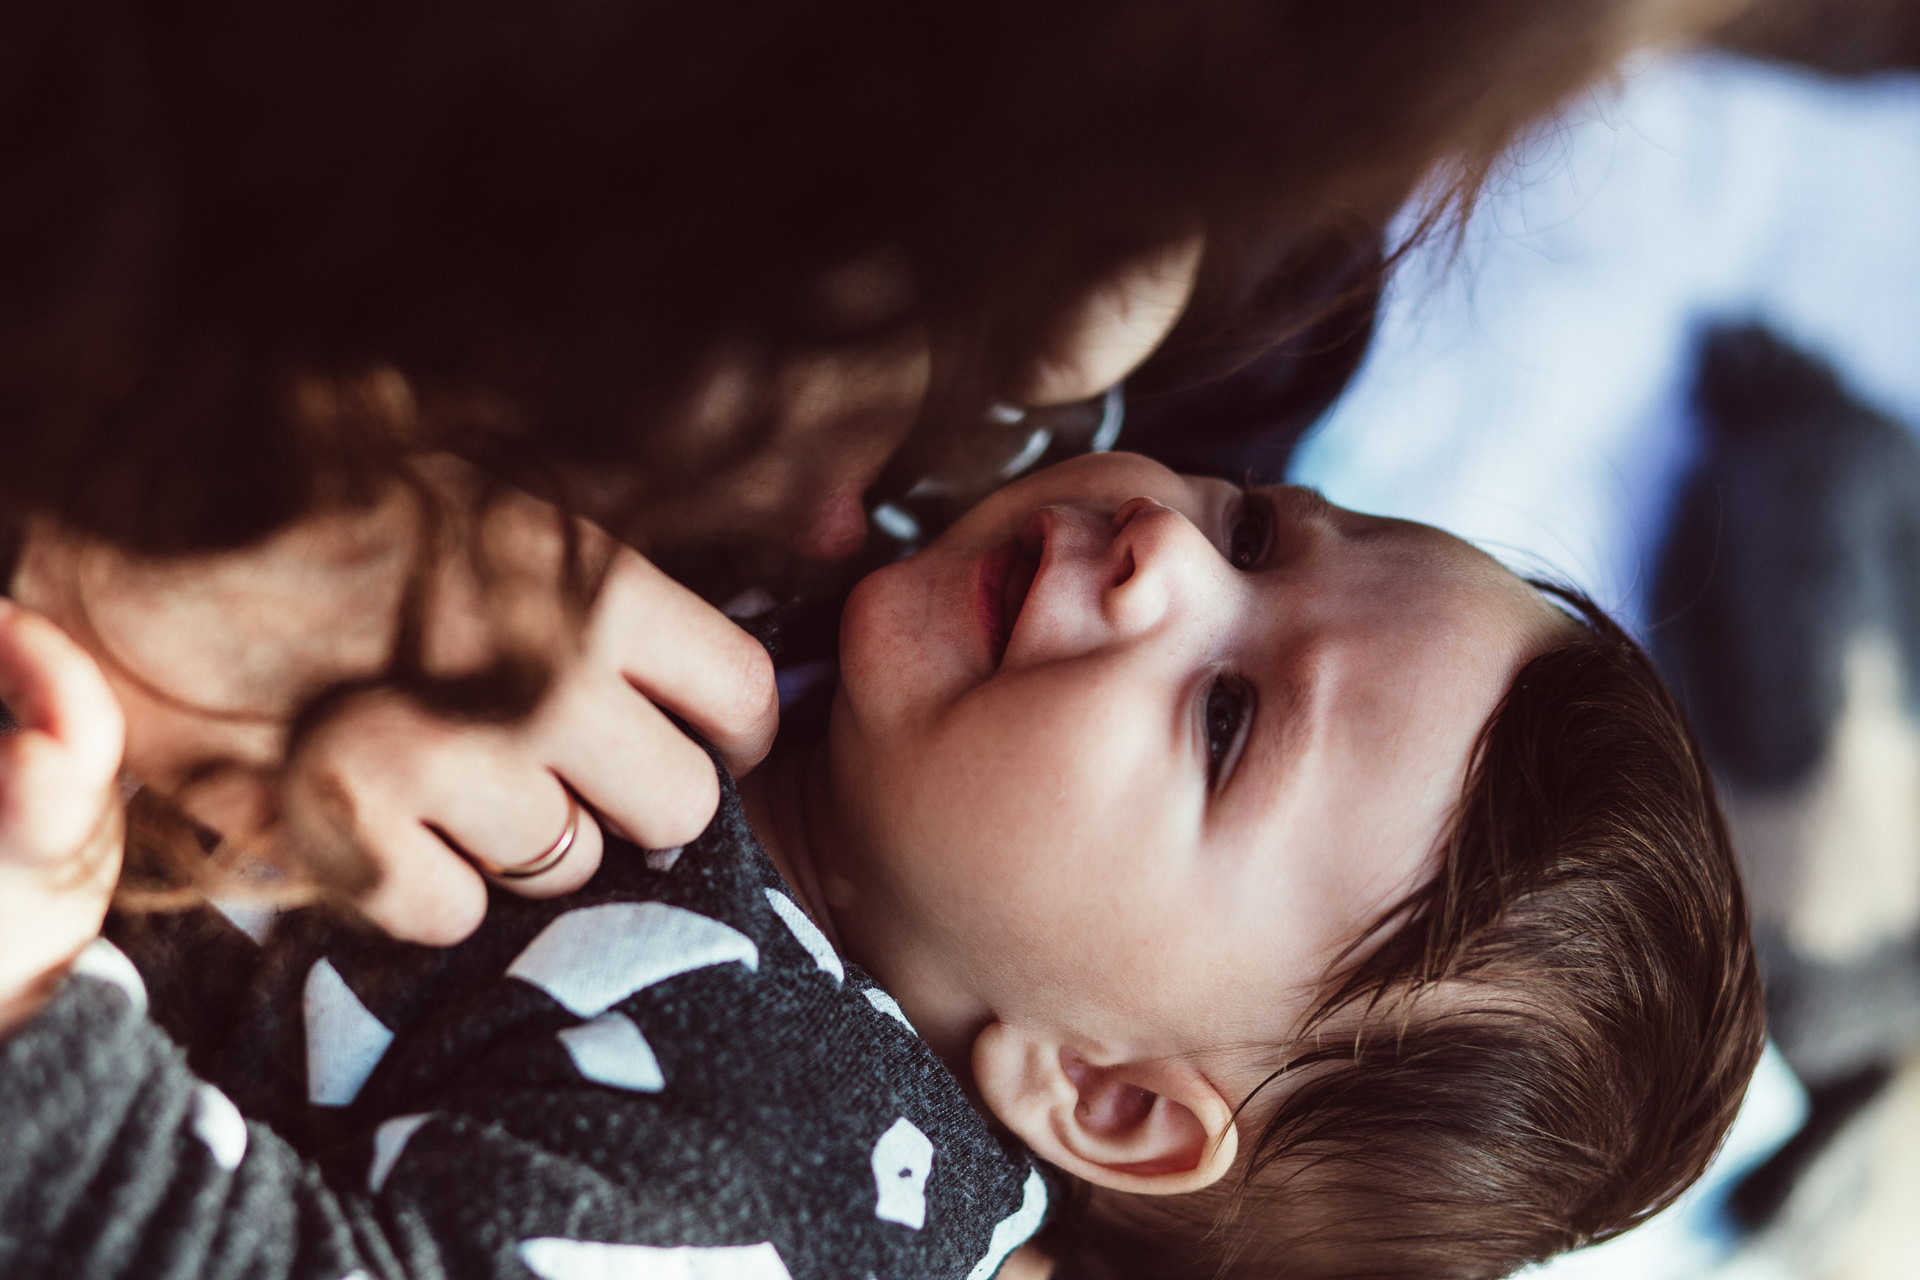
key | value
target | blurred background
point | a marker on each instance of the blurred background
(1675, 359)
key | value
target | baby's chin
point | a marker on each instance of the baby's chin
(872, 623)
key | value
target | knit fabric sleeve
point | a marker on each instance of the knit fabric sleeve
(120, 1162)
(668, 1074)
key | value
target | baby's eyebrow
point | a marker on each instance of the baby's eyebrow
(1308, 503)
(1302, 500)
(1282, 725)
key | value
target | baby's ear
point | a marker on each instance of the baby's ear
(1152, 1128)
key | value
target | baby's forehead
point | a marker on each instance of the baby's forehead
(1369, 767)
(1467, 595)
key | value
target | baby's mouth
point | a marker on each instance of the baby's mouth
(1007, 578)
(1013, 595)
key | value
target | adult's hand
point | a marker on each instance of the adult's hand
(414, 786)
(212, 657)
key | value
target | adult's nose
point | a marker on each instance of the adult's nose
(825, 516)
(829, 525)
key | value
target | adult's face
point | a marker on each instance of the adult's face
(839, 417)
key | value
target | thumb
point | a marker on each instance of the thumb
(58, 766)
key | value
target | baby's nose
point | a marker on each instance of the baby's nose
(1133, 508)
(1146, 561)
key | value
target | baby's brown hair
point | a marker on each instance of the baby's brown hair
(1547, 1049)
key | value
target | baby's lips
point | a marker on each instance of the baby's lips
(1017, 586)
(1055, 540)
(989, 600)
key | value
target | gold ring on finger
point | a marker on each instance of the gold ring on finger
(545, 861)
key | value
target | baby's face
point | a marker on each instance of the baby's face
(1140, 753)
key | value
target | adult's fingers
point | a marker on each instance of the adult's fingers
(435, 805)
(426, 893)
(635, 766)
(687, 656)
(507, 814)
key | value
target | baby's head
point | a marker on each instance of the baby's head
(1303, 884)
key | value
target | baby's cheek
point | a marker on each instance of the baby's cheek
(905, 651)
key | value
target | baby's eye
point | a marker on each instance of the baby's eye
(1250, 536)
(1228, 711)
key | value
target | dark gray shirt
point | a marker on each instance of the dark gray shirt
(667, 1074)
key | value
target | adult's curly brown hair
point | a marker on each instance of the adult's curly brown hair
(1548, 1049)
(259, 258)
(550, 220)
